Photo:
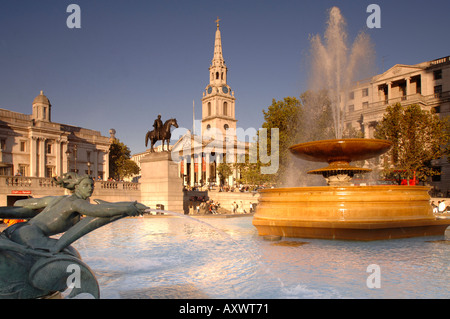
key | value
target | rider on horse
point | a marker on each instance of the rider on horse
(158, 124)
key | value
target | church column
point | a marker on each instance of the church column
(58, 146)
(366, 129)
(199, 168)
(106, 165)
(42, 156)
(219, 160)
(33, 156)
(65, 158)
(192, 173)
(408, 86)
(185, 172)
(95, 154)
(389, 91)
(181, 168)
(208, 168)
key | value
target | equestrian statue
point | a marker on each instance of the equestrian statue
(161, 132)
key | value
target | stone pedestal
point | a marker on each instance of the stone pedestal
(160, 183)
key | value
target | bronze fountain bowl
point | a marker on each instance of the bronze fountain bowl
(340, 150)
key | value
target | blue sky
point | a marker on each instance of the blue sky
(134, 59)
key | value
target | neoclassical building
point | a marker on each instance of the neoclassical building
(32, 145)
(426, 84)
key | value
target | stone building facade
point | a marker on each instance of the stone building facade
(426, 84)
(34, 146)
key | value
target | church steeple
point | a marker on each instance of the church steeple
(218, 102)
(218, 69)
(218, 57)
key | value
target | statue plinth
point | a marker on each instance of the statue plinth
(160, 183)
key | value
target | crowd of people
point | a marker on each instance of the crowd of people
(440, 208)
(204, 205)
(240, 209)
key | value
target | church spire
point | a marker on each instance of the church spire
(218, 57)
(218, 69)
(218, 102)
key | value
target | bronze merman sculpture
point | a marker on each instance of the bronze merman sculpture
(32, 264)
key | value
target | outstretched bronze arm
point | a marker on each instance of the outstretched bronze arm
(10, 212)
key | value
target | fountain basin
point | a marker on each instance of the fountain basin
(348, 212)
(338, 153)
(341, 150)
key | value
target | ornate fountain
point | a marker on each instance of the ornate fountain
(343, 211)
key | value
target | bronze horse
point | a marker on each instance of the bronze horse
(165, 134)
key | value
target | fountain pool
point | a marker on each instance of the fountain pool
(177, 257)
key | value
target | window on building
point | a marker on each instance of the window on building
(437, 74)
(23, 170)
(49, 147)
(351, 95)
(49, 171)
(23, 146)
(217, 75)
(365, 92)
(437, 90)
(226, 127)
(208, 127)
(225, 108)
(209, 108)
(3, 144)
(6, 171)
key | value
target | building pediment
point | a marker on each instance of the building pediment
(397, 71)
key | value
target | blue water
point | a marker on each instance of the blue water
(176, 257)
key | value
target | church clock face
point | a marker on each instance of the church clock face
(225, 89)
(209, 90)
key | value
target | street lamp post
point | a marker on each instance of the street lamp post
(89, 168)
(68, 160)
(75, 155)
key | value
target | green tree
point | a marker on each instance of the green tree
(224, 171)
(308, 118)
(418, 136)
(251, 173)
(285, 116)
(120, 164)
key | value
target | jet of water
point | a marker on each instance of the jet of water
(335, 66)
